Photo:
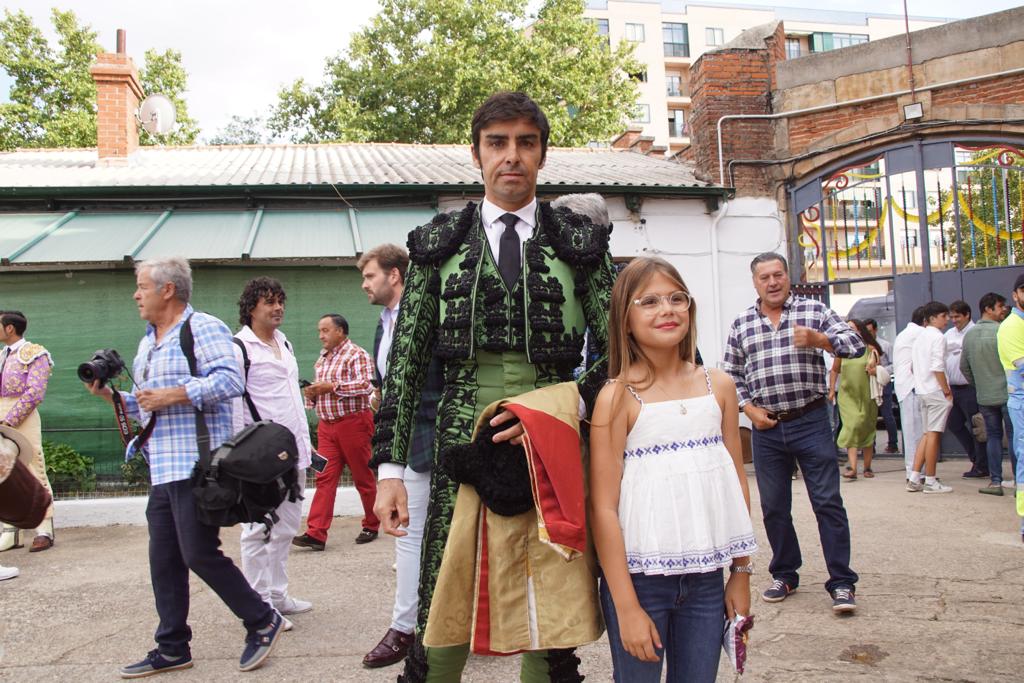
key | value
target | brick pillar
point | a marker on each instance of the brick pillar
(736, 80)
(118, 93)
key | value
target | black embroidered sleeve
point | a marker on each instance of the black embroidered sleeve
(408, 361)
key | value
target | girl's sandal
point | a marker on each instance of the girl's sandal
(868, 473)
(850, 474)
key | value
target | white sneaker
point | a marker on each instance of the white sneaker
(937, 487)
(292, 606)
(8, 573)
(914, 486)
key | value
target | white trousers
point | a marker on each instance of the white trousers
(265, 564)
(407, 552)
(910, 420)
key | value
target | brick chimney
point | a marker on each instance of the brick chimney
(118, 93)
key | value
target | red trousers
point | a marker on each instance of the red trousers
(345, 442)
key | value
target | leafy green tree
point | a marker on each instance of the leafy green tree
(994, 194)
(53, 97)
(421, 67)
(243, 130)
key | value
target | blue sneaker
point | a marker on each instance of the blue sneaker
(156, 663)
(843, 600)
(777, 592)
(259, 644)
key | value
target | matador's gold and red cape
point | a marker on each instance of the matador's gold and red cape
(529, 581)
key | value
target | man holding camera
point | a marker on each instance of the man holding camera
(24, 372)
(168, 393)
(271, 377)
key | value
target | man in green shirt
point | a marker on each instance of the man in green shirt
(980, 364)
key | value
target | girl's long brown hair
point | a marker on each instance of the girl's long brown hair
(623, 351)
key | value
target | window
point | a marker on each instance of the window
(823, 42)
(639, 76)
(602, 29)
(676, 39)
(642, 113)
(673, 85)
(714, 36)
(635, 33)
(793, 48)
(677, 124)
(597, 4)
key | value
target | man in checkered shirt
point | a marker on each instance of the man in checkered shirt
(168, 393)
(774, 356)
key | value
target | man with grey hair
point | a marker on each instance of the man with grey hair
(774, 356)
(168, 393)
(592, 205)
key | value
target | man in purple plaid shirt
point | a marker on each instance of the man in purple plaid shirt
(774, 356)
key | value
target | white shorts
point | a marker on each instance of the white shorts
(934, 410)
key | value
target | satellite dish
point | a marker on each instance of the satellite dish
(157, 114)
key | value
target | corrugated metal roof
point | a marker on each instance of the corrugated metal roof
(337, 164)
(43, 239)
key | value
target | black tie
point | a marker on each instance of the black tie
(509, 256)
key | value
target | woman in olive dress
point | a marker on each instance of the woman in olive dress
(857, 410)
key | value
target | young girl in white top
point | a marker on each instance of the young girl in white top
(670, 508)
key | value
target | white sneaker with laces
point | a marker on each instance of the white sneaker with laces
(293, 606)
(8, 572)
(914, 486)
(937, 487)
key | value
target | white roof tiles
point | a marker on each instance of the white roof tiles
(348, 164)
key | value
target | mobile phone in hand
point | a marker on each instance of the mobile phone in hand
(318, 462)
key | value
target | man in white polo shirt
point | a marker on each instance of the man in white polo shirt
(903, 378)
(934, 397)
(271, 379)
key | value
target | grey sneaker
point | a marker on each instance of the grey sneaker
(843, 601)
(292, 605)
(156, 663)
(995, 489)
(777, 592)
(259, 644)
(915, 486)
(937, 487)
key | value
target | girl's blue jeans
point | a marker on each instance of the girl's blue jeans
(689, 613)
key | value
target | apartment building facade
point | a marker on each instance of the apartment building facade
(671, 34)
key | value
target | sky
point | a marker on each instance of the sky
(239, 54)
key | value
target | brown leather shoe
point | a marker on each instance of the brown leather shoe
(391, 649)
(40, 543)
(366, 535)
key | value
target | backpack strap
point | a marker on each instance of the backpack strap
(188, 348)
(246, 363)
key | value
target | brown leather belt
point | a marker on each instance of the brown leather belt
(789, 415)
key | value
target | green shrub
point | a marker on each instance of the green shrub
(67, 469)
(135, 471)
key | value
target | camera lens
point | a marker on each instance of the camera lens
(91, 371)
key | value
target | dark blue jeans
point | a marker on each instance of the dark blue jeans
(808, 441)
(179, 542)
(689, 613)
(965, 404)
(997, 419)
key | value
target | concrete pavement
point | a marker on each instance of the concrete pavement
(940, 598)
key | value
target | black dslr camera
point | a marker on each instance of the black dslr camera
(105, 365)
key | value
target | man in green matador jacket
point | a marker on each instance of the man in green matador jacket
(502, 292)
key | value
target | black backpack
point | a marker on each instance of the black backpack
(248, 476)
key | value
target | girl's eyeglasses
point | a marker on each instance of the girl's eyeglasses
(650, 303)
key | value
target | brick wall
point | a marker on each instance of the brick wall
(118, 94)
(735, 81)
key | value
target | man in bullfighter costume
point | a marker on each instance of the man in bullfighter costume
(502, 292)
(24, 372)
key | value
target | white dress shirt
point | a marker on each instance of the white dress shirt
(954, 347)
(902, 371)
(388, 318)
(490, 215)
(273, 384)
(928, 356)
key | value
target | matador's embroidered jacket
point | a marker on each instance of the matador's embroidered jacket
(456, 304)
(24, 376)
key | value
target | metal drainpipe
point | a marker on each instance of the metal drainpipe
(716, 285)
(837, 105)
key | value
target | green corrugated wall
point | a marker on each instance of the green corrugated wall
(73, 313)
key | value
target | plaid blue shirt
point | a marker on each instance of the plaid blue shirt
(172, 450)
(773, 373)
